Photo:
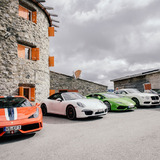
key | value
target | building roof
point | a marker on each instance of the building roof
(137, 75)
(78, 78)
(44, 10)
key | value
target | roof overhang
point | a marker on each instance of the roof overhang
(136, 75)
(44, 10)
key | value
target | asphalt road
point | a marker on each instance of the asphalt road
(132, 135)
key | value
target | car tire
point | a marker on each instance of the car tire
(44, 109)
(71, 112)
(108, 105)
(136, 101)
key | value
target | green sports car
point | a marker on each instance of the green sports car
(114, 102)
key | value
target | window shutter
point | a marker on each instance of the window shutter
(35, 54)
(50, 31)
(32, 97)
(23, 12)
(51, 92)
(21, 51)
(51, 61)
(21, 91)
(34, 17)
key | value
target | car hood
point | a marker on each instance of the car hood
(91, 103)
(125, 101)
(8, 114)
(143, 94)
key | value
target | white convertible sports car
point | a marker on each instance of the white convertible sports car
(73, 105)
(141, 99)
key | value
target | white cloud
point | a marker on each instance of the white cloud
(106, 39)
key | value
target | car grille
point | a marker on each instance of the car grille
(99, 112)
(121, 107)
(30, 127)
(155, 102)
(88, 112)
(154, 97)
(1, 130)
(146, 102)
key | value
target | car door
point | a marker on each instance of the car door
(54, 103)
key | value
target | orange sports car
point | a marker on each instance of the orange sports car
(19, 116)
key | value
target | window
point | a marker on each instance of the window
(118, 92)
(123, 92)
(28, 92)
(27, 52)
(12, 102)
(98, 96)
(55, 96)
(72, 96)
(90, 95)
(27, 14)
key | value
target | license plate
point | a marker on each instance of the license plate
(12, 128)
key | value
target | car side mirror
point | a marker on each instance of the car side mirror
(37, 104)
(59, 99)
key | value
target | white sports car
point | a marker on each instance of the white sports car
(73, 105)
(141, 99)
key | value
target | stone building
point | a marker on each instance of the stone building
(25, 27)
(142, 81)
(62, 83)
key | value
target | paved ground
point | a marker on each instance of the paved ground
(133, 135)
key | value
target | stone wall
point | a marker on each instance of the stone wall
(137, 82)
(61, 81)
(154, 79)
(15, 70)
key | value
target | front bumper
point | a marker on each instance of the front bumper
(91, 112)
(27, 126)
(150, 103)
(124, 108)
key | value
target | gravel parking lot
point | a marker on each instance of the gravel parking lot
(133, 135)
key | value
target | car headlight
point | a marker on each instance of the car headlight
(36, 114)
(146, 97)
(80, 104)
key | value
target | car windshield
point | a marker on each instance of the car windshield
(12, 102)
(133, 91)
(72, 96)
(154, 92)
(111, 95)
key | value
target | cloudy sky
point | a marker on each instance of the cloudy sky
(106, 39)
